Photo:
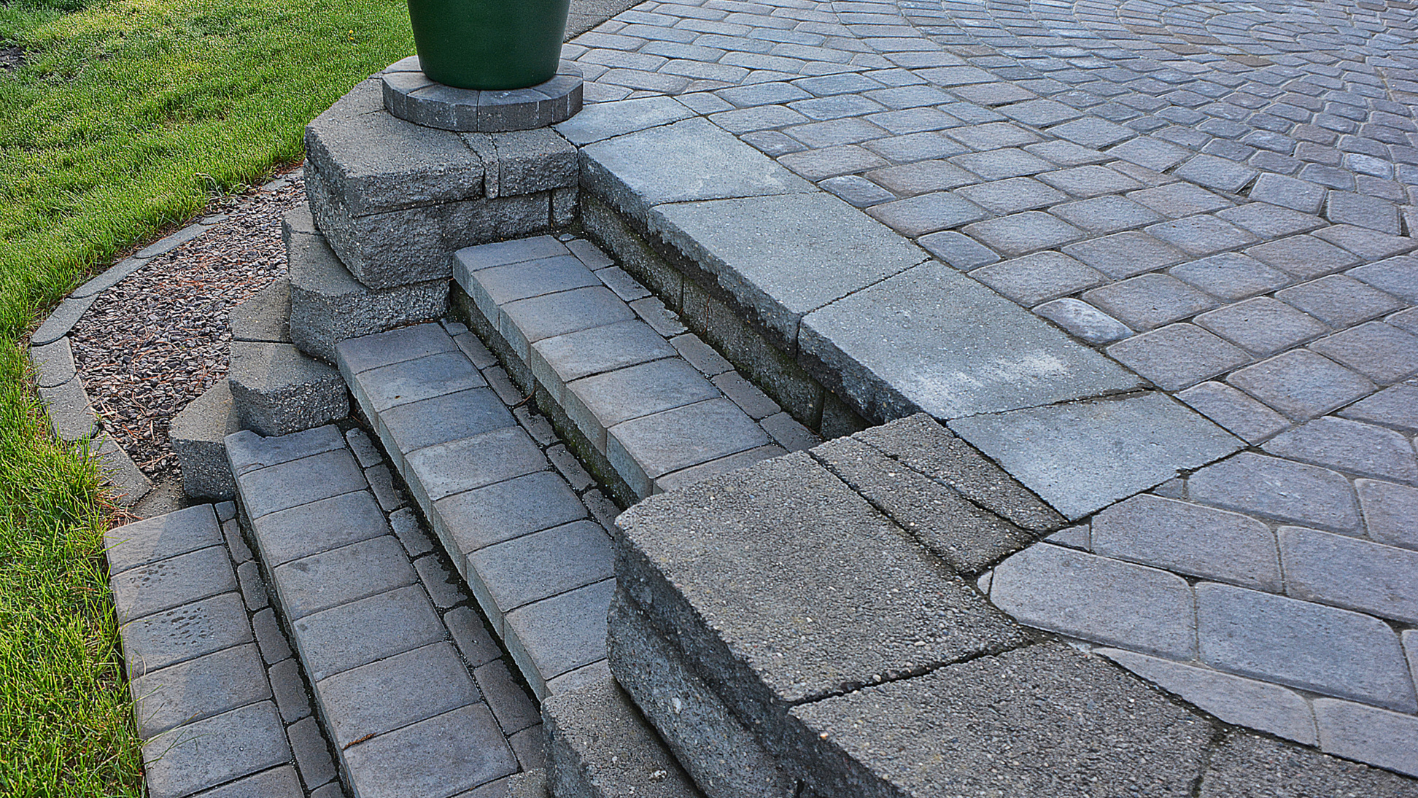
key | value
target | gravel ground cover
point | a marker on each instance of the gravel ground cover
(157, 340)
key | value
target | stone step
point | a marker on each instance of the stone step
(327, 304)
(406, 680)
(501, 496)
(606, 357)
(277, 390)
(198, 435)
(211, 677)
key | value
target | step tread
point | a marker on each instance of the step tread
(386, 667)
(598, 344)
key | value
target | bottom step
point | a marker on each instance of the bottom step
(197, 434)
(412, 690)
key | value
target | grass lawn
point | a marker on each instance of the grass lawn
(124, 120)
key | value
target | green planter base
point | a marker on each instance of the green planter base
(489, 44)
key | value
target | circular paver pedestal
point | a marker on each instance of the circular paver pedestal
(410, 95)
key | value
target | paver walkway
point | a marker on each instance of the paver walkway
(1221, 196)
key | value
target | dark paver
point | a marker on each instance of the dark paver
(394, 692)
(363, 631)
(1190, 539)
(342, 575)
(216, 750)
(441, 756)
(1276, 488)
(184, 633)
(1350, 446)
(199, 688)
(162, 585)
(1301, 384)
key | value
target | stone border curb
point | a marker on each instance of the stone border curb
(71, 414)
(410, 95)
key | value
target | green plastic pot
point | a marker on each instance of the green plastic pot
(489, 44)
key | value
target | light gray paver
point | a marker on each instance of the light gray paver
(1384, 738)
(1383, 353)
(289, 690)
(1297, 643)
(299, 482)
(1083, 456)
(312, 755)
(248, 451)
(559, 634)
(1390, 512)
(278, 782)
(1276, 488)
(210, 752)
(649, 447)
(154, 539)
(1350, 573)
(1248, 764)
(447, 468)
(198, 688)
(1301, 384)
(395, 692)
(363, 631)
(348, 518)
(1350, 446)
(1244, 702)
(1190, 539)
(506, 510)
(339, 576)
(187, 632)
(172, 582)
(1083, 320)
(1395, 407)
(1239, 414)
(540, 565)
(1098, 599)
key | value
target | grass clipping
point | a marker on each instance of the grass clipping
(121, 120)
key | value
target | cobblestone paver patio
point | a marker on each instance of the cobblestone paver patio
(1221, 196)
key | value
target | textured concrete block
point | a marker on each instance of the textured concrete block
(363, 631)
(265, 316)
(448, 468)
(1350, 573)
(1370, 735)
(560, 634)
(219, 749)
(277, 390)
(291, 484)
(485, 516)
(471, 636)
(412, 380)
(720, 753)
(528, 321)
(540, 565)
(558, 360)
(61, 321)
(348, 518)
(530, 161)
(154, 539)
(492, 287)
(598, 746)
(1310, 646)
(327, 305)
(248, 451)
(1047, 702)
(173, 582)
(312, 754)
(395, 692)
(644, 449)
(1275, 488)
(1248, 764)
(1122, 445)
(198, 435)
(199, 688)
(1021, 362)
(601, 121)
(340, 576)
(279, 782)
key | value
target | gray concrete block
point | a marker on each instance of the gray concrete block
(109, 277)
(846, 562)
(1098, 599)
(530, 747)
(61, 321)
(719, 752)
(457, 466)
(1303, 257)
(1389, 512)
(639, 171)
(1262, 325)
(278, 782)
(563, 358)
(173, 582)
(340, 576)
(505, 510)
(476, 352)
(528, 321)
(1396, 276)
(348, 518)
(363, 631)
(1396, 406)
(559, 634)
(213, 751)
(54, 363)
(1248, 764)
(1241, 702)
(1370, 735)
(449, 753)
(269, 637)
(700, 355)
(1006, 364)
(125, 482)
(265, 316)
(331, 790)
(624, 286)
(327, 305)
(1190, 539)
(699, 473)
(759, 249)
(1149, 300)
(946, 523)
(788, 433)
(71, 415)
(538, 566)
(1351, 446)
(1122, 445)
(1230, 276)
(599, 747)
(471, 636)
(1275, 488)
(298, 482)
(536, 425)
(493, 287)
(184, 633)
(1347, 572)
(443, 586)
(153, 539)
(395, 692)
(601, 121)
(1339, 301)
(248, 451)
(312, 753)
(530, 161)
(395, 346)
(198, 434)
(289, 687)
(412, 380)
(1048, 702)
(198, 689)
(1383, 353)
(485, 256)
(1301, 384)
(1300, 644)
(508, 700)
(277, 390)
(599, 402)
(1036, 278)
(646, 448)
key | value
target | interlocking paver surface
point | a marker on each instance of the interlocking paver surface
(1219, 193)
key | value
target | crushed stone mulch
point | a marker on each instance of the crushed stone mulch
(157, 340)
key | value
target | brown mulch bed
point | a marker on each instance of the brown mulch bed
(157, 340)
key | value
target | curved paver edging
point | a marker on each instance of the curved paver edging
(71, 415)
